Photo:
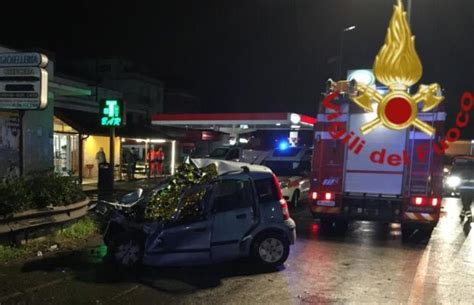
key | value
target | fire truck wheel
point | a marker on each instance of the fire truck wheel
(407, 231)
(335, 225)
(295, 198)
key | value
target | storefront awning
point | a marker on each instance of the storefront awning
(88, 123)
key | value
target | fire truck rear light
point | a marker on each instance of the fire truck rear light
(328, 196)
(434, 202)
(314, 195)
(418, 200)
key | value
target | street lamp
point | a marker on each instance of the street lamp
(348, 29)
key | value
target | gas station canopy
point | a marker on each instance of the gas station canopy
(237, 122)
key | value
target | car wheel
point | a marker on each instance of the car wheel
(295, 198)
(125, 251)
(271, 249)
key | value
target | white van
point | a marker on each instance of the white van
(292, 166)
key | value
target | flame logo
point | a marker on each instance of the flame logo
(397, 64)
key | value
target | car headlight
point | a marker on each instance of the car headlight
(453, 181)
(446, 170)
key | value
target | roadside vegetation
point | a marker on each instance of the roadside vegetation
(66, 238)
(39, 190)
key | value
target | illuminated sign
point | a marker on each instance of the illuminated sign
(112, 113)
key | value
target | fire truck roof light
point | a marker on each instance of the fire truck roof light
(283, 145)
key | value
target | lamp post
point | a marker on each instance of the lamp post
(409, 11)
(341, 46)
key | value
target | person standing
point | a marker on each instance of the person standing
(160, 159)
(152, 163)
(100, 156)
(467, 190)
(130, 160)
(135, 160)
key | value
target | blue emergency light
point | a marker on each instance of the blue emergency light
(283, 145)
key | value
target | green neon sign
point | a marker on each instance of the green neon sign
(112, 113)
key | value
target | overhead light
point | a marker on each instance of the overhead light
(352, 27)
(243, 140)
(295, 126)
(364, 76)
(278, 124)
(158, 141)
(244, 126)
(295, 118)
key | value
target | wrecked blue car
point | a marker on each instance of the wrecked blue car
(242, 214)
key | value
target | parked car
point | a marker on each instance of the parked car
(292, 165)
(243, 214)
(454, 177)
(236, 153)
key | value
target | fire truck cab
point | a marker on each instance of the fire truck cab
(386, 175)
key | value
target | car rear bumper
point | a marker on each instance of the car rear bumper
(361, 208)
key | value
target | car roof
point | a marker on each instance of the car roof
(224, 166)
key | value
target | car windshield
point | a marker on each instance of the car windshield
(288, 168)
(463, 169)
(219, 153)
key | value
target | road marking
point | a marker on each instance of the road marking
(122, 293)
(418, 286)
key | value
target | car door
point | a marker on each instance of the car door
(233, 214)
(185, 241)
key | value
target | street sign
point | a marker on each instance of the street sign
(23, 60)
(23, 88)
(112, 112)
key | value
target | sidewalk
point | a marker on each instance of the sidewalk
(120, 188)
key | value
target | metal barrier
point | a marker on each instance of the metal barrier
(39, 218)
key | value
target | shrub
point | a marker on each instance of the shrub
(55, 190)
(15, 196)
(39, 191)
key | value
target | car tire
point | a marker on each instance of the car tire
(295, 198)
(270, 249)
(125, 251)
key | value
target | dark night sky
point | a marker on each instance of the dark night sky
(248, 55)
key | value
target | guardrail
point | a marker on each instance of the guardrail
(39, 218)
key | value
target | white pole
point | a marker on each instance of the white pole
(173, 156)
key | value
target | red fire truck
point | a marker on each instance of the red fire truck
(387, 175)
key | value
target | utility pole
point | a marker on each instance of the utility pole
(409, 11)
(112, 155)
(341, 48)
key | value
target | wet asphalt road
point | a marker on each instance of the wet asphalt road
(369, 264)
